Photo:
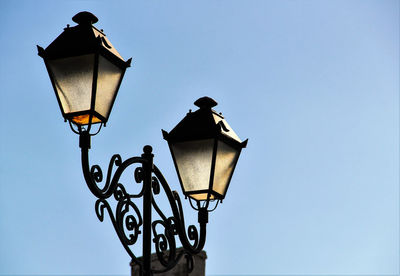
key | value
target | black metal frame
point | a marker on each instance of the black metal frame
(127, 219)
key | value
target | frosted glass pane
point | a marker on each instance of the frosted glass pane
(194, 163)
(84, 119)
(202, 196)
(224, 165)
(73, 78)
(108, 79)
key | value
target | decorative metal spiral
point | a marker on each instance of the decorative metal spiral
(97, 174)
(127, 218)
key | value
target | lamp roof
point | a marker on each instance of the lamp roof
(82, 39)
(204, 123)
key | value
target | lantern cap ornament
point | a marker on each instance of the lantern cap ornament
(85, 18)
(204, 123)
(205, 102)
(82, 39)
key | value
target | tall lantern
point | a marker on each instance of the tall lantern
(85, 71)
(205, 151)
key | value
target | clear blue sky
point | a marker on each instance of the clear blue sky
(314, 85)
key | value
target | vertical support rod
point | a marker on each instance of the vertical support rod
(147, 198)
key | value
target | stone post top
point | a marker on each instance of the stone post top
(180, 269)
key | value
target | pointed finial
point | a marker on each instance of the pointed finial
(85, 18)
(205, 102)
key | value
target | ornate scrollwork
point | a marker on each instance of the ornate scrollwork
(193, 235)
(97, 174)
(102, 204)
(131, 221)
(155, 185)
(127, 218)
(138, 174)
(165, 245)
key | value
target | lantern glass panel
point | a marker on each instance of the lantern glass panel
(73, 79)
(224, 165)
(108, 79)
(193, 160)
(201, 196)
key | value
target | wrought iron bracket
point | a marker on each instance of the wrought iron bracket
(128, 221)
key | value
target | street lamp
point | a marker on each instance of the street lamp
(86, 72)
(205, 150)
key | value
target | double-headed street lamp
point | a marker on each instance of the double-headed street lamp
(86, 72)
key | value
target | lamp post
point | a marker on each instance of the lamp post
(86, 72)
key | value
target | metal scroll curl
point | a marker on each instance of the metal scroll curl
(165, 240)
(192, 241)
(127, 218)
(165, 245)
(97, 174)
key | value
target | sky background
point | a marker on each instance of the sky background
(314, 85)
